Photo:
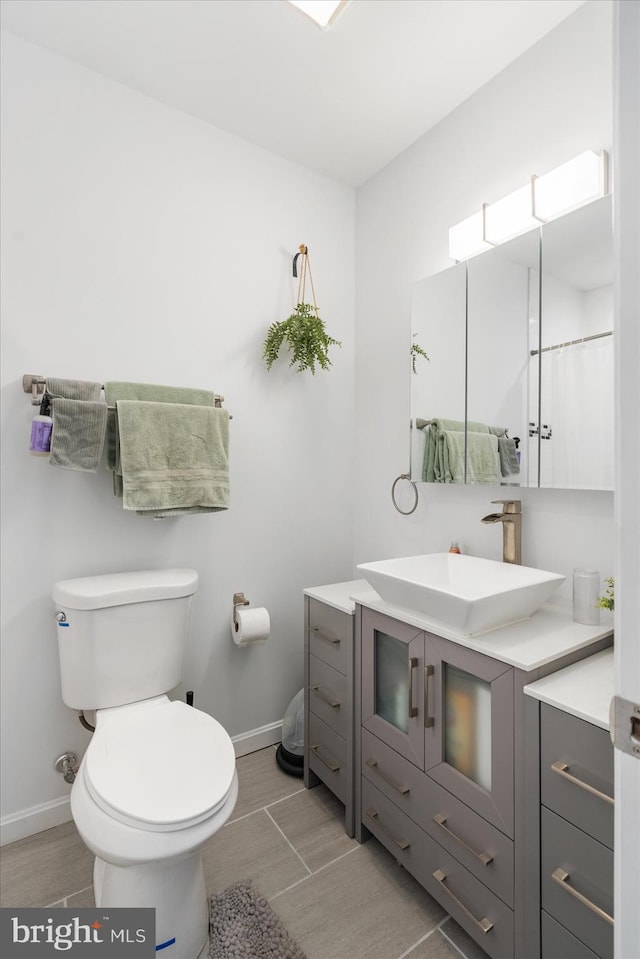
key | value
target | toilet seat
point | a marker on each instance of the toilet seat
(159, 765)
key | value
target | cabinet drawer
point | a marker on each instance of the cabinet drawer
(582, 867)
(329, 695)
(558, 942)
(467, 900)
(571, 747)
(331, 635)
(484, 850)
(327, 756)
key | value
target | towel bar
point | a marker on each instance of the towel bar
(36, 385)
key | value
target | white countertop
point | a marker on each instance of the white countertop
(547, 636)
(584, 689)
(339, 595)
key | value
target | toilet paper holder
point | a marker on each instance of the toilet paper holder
(239, 599)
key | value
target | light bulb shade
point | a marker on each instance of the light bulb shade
(509, 216)
(323, 12)
(467, 238)
(576, 182)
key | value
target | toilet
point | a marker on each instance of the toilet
(158, 778)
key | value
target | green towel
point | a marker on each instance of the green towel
(483, 462)
(77, 438)
(73, 389)
(433, 467)
(148, 392)
(174, 457)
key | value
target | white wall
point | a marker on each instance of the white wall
(142, 244)
(551, 104)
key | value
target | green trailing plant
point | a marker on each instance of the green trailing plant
(607, 601)
(306, 337)
(416, 351)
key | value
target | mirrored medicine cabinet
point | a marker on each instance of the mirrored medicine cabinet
(518, 388)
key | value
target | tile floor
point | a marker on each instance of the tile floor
(338, 899)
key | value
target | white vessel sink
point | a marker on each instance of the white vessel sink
(466, 593)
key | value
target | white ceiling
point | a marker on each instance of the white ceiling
(343, 102)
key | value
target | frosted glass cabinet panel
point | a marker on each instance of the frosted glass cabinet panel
(467, 734)
(391, 680)
(392, 671)
(469, 728)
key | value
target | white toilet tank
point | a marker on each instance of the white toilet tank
(122, 636)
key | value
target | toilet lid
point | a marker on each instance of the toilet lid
(159, 766)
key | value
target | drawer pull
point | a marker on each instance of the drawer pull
(401, 843)
(373, 764)
(562, 770)
(334, 640)
(330, 763)
(483, 924)
(326, 696)
(429, 721)
(484, 857)
(562, 878)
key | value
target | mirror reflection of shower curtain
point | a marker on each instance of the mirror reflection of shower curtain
(578, 386)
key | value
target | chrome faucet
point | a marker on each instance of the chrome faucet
(511, 519)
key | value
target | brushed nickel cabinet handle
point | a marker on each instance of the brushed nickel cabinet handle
(413, 664)
(401, 843)
(326, 696)
(562, 878)
(373, 764)
(484, 857)
(330, 763)
(334, 640)
(429, 721)
(483, 924)
(562, 770)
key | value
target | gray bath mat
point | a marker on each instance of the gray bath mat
(244, 926)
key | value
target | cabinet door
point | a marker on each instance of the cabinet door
(393, 684)
(469, 728)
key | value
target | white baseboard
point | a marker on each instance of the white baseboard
(27, 822)
(255, 739)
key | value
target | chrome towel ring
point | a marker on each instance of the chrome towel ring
(404, 476)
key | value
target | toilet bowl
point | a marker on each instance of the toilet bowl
(158, 778)
(156, 782)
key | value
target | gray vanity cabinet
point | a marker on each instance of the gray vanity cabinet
(328, 741)
(576, 835)
(437, 770)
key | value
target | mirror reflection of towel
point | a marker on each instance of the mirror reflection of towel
(483, 463)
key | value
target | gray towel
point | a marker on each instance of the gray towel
(77, 439)
(174, 457)
(509, 464)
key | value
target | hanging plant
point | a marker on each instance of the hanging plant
(303, 331)
(608, 600)
(416, 351)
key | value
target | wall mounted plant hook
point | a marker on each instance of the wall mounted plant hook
(302, 250)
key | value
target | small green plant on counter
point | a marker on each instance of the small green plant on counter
(606, 601)
(306, 337)
(416, 351)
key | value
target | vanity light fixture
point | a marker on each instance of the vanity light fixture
(574, 183)
(323, 12)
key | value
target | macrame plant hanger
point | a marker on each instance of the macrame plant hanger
(303, 251)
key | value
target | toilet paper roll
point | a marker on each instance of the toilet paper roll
(252, 626)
